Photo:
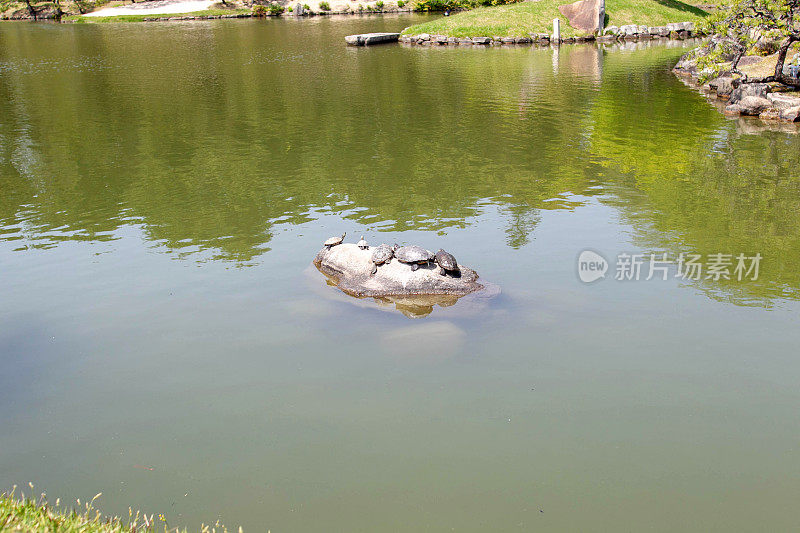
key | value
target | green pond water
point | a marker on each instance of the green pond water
(165, 340)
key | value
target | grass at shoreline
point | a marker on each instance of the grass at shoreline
(20, 513)
(519, 20)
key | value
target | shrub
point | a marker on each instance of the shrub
(433, 5)
(400, 3)
(276, 9)
(379, 4)
(324, 6)
(259, 11)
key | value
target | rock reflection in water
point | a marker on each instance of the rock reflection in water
(418, 306)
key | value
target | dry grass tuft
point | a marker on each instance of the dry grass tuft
(34, 513)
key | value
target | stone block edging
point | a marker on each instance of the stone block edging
(677, 30)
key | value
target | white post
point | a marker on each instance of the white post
(556, 38)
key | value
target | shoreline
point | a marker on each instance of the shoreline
(196, 15)
(678, 31)
(176, 17)
(159, 14)
(770, 102)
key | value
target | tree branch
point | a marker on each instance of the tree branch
(782, 51)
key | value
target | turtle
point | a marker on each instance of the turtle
(363, 244)
(333, 241)
(413, 255)
(447, 263)
(382, 255)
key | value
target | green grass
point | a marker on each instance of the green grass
(22, 514)
(141, 18)
(518, 20)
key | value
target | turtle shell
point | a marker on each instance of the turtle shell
(334, 241)
(382, 253)
(413, 254)
(446, 260)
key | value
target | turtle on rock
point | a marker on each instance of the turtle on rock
(447, 263)
(363, 244)
(413, 255)
(382, 255)
(333, 241)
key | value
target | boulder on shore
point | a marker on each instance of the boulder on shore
(783, 101)
(744, 90)
(724, 86)
(351, 269)
(585, 15)
(790, 115)
(753, 105)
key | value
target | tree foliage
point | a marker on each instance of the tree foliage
(750, 26)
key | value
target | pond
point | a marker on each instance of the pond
(165, 340)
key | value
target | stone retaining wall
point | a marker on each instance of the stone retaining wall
(678, 30)
(634, 32)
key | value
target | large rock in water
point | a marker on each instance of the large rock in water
(350, 267)
(366, 39)
(585, 15)
(753, 105)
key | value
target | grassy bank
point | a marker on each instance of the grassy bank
(518, 20)
(20, 513)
